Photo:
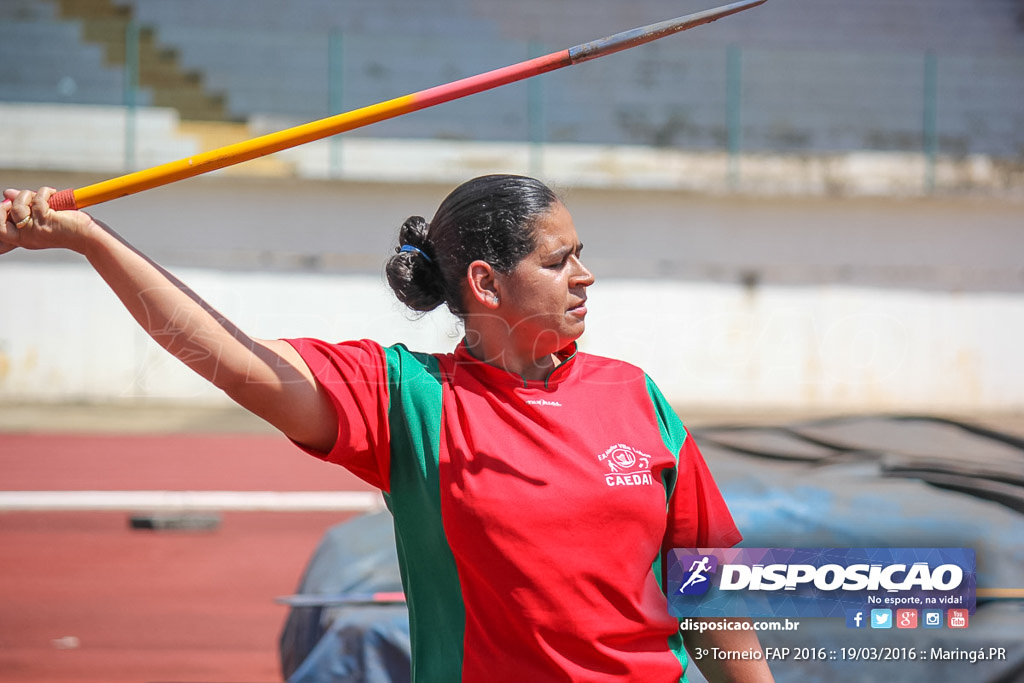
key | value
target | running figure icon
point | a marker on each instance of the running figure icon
(697, 570)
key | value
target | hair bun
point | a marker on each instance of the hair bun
(413, 238)
(412, 272)
(413, 231)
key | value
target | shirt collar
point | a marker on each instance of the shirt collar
(566, 357)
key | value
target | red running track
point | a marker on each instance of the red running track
(84, 598)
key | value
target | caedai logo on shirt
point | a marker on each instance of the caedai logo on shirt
(627, 466)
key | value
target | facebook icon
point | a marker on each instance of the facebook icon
(855, 618)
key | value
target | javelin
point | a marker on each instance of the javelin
(312, 600)
(357, 118)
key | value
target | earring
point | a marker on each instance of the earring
(494, 299)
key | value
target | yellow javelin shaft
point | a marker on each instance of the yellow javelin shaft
(229, 155)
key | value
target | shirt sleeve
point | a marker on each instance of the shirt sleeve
(354, 376)
(697, 514)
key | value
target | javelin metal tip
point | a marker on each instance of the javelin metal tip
(646, 34)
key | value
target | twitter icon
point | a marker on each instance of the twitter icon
(881, 618)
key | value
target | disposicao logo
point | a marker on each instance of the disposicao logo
(837, 577)
(821, 582)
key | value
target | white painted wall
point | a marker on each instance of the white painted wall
(89, 137)
(63, 336)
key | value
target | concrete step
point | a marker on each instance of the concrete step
(106, 24)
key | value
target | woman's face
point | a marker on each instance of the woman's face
(543, 300)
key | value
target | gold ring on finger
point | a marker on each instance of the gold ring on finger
(24, 222)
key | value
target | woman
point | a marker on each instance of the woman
(535, 489)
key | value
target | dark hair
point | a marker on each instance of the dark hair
(489, 218)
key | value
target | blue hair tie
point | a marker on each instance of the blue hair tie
(409, 247)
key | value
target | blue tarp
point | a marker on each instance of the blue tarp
(856, 482)
(347, 643)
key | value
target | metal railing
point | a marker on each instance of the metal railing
(667, 95)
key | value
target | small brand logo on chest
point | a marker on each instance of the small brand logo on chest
(543, 402)
(626, 465)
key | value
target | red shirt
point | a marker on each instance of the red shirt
(531, 517)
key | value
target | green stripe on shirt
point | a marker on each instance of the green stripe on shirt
(673, 435)
(437, 615)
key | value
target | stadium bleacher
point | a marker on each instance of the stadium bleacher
(792, 76)
(45, 59)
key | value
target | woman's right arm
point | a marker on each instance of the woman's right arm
(267, 377)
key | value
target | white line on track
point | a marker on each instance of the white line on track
(186, 501)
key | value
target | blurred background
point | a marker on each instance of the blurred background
(808, 205)
(811, 209)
